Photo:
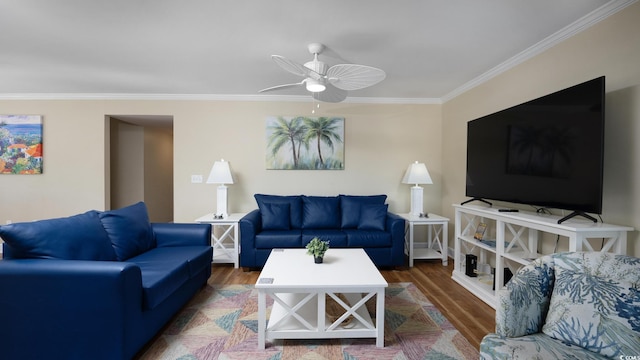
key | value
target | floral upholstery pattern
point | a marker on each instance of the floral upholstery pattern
(578, 305)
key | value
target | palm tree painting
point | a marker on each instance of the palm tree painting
(305, 143)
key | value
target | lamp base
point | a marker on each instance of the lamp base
(416, 200)
(222, 201)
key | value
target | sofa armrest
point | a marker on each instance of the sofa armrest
(396, 226)
(523, 303)
(172, 234)
(49, 304)
(250, 225)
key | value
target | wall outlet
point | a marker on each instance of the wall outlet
(196, 179)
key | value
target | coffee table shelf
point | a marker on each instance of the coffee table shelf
(283, 326)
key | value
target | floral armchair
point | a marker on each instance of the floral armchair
(578, 305)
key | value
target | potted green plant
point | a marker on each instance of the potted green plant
(317, 248)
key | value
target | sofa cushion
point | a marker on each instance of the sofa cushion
(320, 212)
(197, 257)
(78, 237)
(129, 230)
(295, 206)
(594, 311)
(275, 216)
(373, 217)
(336, 238)
(368, 239)
(350, 207)
(162, 274)
(271, 239)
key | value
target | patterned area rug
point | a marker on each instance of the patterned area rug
(221, 323)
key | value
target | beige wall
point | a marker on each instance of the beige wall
(381, 141)
(74, 163)
(610, 48)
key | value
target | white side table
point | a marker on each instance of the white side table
(437, 244)
(225, 246)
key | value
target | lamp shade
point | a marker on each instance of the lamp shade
(220, 173)
(417, 173)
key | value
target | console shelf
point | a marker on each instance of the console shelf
(516, 235)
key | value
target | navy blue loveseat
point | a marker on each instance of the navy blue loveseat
(97, 285)
(346, 221)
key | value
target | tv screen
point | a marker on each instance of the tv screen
(547, 152)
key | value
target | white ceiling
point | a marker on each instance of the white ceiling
(430, 49)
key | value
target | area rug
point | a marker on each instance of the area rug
(221, 323)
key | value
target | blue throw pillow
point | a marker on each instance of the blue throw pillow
(373, 217)
(129, 230)
(78, 237)
(320, 212)
(350, 207)
(275, 216)
(295, 206)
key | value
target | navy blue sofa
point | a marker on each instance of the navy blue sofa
(97, 285)
(346, 221)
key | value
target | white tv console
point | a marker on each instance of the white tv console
(516, 237)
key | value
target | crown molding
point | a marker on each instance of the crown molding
(576, 27)
(208, 97)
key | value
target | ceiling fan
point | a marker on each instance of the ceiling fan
(328, 84)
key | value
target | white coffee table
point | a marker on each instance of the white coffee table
(298, 287)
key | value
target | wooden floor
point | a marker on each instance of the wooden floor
(472, 317)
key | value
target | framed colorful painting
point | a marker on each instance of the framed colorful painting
(20, 144)
(305, 143)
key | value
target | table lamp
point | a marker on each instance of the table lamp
(417, 173)
(221, 174)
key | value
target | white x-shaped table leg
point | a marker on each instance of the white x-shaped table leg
(218, 242)
(292, 310)
(350, 310)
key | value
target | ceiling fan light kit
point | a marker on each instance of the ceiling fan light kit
(315, 86)
(328, 84)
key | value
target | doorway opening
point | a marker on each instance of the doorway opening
(140, 163)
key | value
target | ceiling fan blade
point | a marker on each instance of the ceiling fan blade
(330, 94)
(290, 66)
(280, 87)
(353, 76)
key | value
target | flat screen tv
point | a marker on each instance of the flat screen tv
(547, 152)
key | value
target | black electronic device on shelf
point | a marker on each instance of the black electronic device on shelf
(471, 265)
(546, 152)
(506, 276)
